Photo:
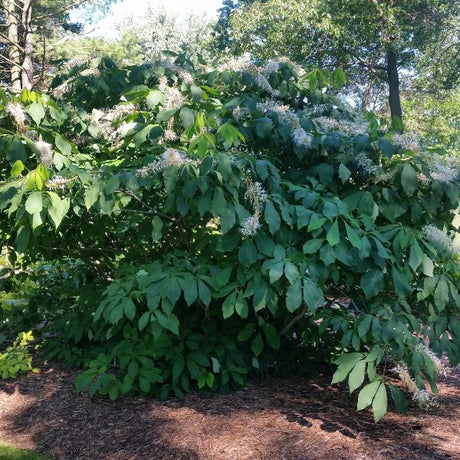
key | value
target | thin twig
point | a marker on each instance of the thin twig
(294, 320)
(143, 203)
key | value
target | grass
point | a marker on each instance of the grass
(13, 453)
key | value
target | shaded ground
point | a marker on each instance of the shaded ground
(292, 419)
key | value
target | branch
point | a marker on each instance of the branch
(143, 203)
(11, 62)
(294, 320)
(11, 42)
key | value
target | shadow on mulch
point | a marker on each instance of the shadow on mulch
(293, 418)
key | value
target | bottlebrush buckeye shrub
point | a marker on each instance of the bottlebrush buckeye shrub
(229, 223)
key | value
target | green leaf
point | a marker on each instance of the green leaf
(367, 394)
(272, 217)
(260, 296)
(173, 290)
(58, 209)
(92, 195)
(17, 168)
(157, 227)
(312, 246)
(228, 307)
(386, 147)
(257, 344)
(210, 380)
(178, 368)
(241, 306)
(63, 145)
(34, 203)
(129, 308)
(294, 296)
(216, 367)
(246, 332)
(401, 282)
(230, 134)
(144, 320)
(248, 254)
(357, 374)
(264, 127)
(154, 98)
(187, 116)
(327, 254)
(204, 293)
(272, 336)
(333, 235)
(372, 282)
(170, 322)
(43, 171)
(428, 266)
(399, 398)
(313, 295)
(380, 403)
(441, 294)
(316, 223)
(22, 238)
(36, 111)
(353, 236)
(291, 272)
(416, 256)
(364, 325)
(409, 179)
(276, 272)
(344, 173)
(345, 363)
(189, 286)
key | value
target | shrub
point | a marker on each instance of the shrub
(16, 359)
(230, 223)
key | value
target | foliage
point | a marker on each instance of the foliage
(228, 224)
(12, 453)
(353, 34)
(142, 40)
(437, 118)
(16, 359)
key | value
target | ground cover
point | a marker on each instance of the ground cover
(293, 418)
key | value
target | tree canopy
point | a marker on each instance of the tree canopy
(372, 40)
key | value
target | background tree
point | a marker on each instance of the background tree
(143, 39)
(26, 23)
(373, 40)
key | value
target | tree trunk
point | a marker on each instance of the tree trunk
(393, 85)
(27, 74)
(14, 53)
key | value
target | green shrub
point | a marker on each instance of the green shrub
(229, 224)
(16, 359)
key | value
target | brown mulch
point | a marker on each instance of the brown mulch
(293, 419)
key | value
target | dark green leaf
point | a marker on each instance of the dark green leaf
(409, 179)
(257, 344)
(333, 235)
(372, 282)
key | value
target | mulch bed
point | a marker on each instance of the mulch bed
(293, 418)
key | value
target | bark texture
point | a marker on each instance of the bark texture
(393, 86)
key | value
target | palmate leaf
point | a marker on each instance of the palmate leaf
(345, 363)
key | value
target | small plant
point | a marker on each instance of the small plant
(16, 359)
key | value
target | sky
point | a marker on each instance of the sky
(124, 9)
